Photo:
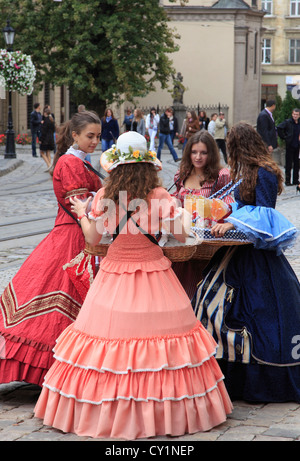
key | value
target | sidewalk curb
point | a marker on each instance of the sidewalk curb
(8, 165)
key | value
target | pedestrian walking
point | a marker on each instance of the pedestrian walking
(191, 127)
(47, 106)
(289, 131)
(110, 129)
(47, 137)
(203, 120)
(136, 363)
(200, 174)
(249, 297)
(41, 300)
(35, 126)
(212, 124)
(220, 134)
(173, 126)
(265, 125)
(138, 122)
(128, 120)
(152, 122)
(164, 135)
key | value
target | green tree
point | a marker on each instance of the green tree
(103, 50)
(287, 106)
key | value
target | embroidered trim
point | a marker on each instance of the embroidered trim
(74, 192)
(86, 266)
(13, 314)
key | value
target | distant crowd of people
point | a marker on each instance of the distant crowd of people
(165, 128)
(289, 131)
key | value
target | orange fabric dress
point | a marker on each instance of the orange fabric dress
(136, 362)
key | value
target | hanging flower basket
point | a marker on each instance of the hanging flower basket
(18, 71)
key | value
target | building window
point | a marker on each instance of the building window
(267, 5)
(266, 51)
(268, 92)
(294, 51)
(295, 7)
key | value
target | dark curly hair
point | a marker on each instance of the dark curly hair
(247, 153)
(137, 179)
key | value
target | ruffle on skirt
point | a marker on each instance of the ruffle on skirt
(116, 267)
(135, 354)
(23, 360)
(170, 385)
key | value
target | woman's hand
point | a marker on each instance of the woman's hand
(218, 230)
(78, 206)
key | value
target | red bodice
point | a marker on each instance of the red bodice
(72, 178)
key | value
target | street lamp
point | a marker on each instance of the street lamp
(10, 151)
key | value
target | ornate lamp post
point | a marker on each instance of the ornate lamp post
(10, 151)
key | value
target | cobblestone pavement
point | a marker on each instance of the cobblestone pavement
(248, 422)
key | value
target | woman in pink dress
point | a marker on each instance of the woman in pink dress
(200, 173)
(41, 300)
(136, 363)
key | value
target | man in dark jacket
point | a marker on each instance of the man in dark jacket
(289, 130)
(265, 126)
(35, 126)
(165, 136)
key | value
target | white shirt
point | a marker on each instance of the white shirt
(77, 153)
(212, 128)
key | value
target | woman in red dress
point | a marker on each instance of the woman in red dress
(41, 300)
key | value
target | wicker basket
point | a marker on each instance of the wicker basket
(177, 252)
(206, 251)
(172, 250)
(208, 247)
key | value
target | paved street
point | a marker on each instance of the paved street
(28, 208)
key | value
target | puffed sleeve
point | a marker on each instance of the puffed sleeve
(224, 179)
(165, 208)
(264, 226)
(97, 210)
(74, 179)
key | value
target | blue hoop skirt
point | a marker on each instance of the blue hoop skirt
(249, 300)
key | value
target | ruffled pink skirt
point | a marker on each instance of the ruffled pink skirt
(136, 362)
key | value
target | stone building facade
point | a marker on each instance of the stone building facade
(280, 48)
(219, 56)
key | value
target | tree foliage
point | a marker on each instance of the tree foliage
(286, 107)
(103, 50)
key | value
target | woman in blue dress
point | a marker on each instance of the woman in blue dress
(249, 298)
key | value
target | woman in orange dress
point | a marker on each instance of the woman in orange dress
(136, 362)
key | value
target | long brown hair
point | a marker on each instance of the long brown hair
(137, 179)
(248, 153)
(213, 165)
(64, 138)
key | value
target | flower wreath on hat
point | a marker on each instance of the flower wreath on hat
(131, 148)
